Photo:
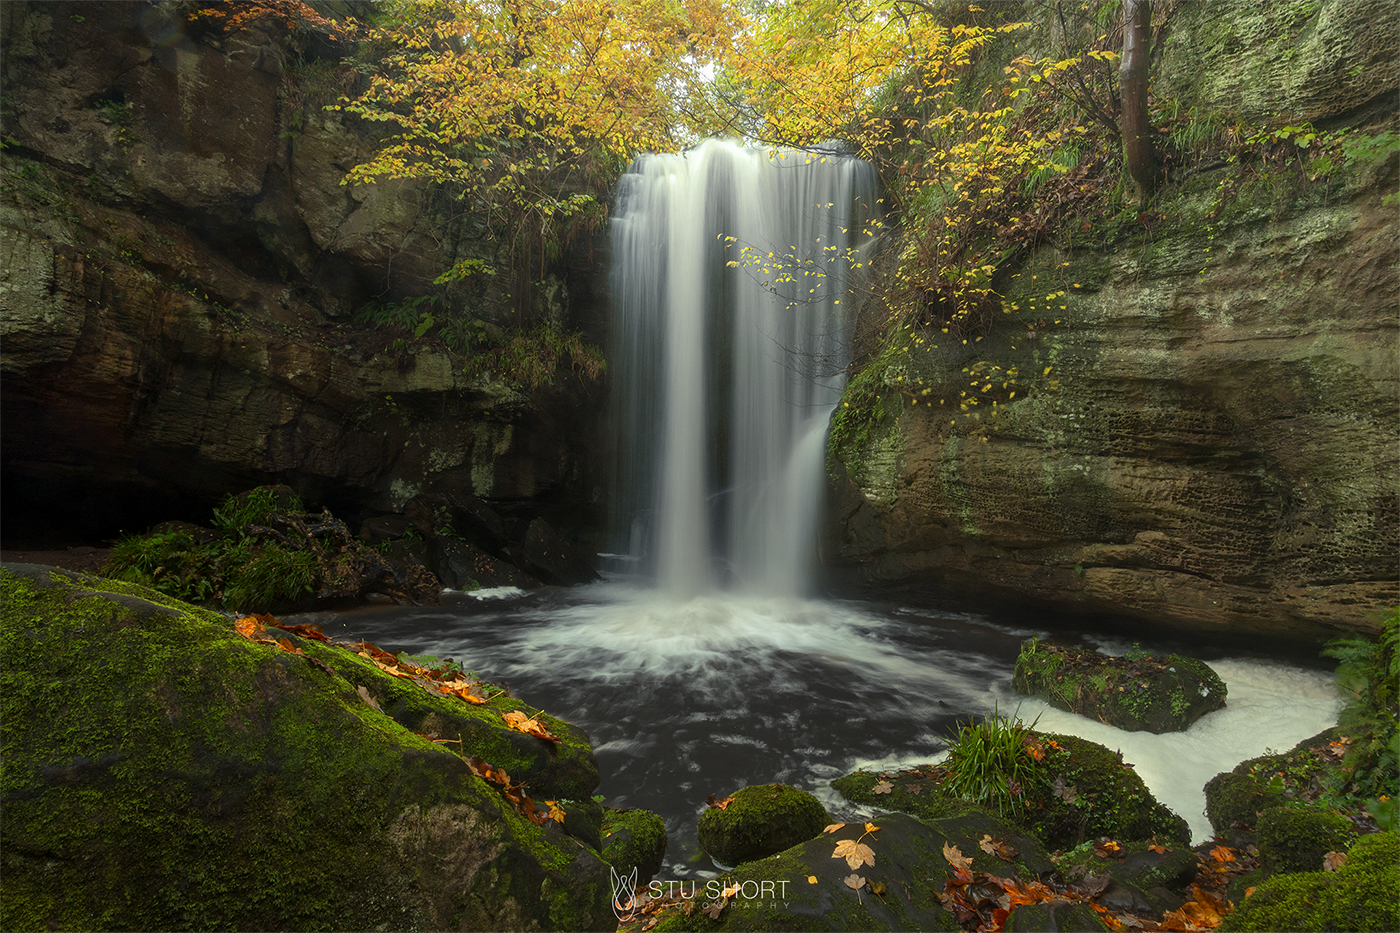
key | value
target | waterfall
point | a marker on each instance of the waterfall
(725, 371)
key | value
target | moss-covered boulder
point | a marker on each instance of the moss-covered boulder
(1083, 791)
(1134, 693)
(634, 839)
(161, 772)
(1236, 799)
(759, 820)
(1363, 894)
(807, 888)
(1296, 840)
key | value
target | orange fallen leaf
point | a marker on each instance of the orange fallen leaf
(721, 804)
(556, 813)
(248, 627)
(1222, 854)
(833, 827)
(528, 725)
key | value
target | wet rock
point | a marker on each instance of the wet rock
(1152, 694)
(461, 566)
(760, 820)
(634, 839)
(1054, 917)
(554, 560)
(197, 771)
(382, 528)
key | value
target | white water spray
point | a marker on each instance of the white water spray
(727, 371)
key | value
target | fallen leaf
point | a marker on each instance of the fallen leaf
(714, 909)
(833, 827)
(914, 788)
(1107, 848)
(854, 882)
(998, 847)
(364, 695)
(721, 804)
(1333, 860)
(811, 879)
(528, 725)
(955, 857)
(1222, 854)
(1156, 846)
(871, 828)
(855, 853)
(1094, 885)
(883, 787)
(248, 627)
(556, 813)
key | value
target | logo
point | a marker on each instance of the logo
(624, 893)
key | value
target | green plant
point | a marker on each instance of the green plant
(995, 762)
(1367, 678)
(254, 507)
(1137, 653)
(172, 562)
(263, 577)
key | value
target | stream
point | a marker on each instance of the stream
(687, 699)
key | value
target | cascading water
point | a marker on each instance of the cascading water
(727, 370)
(726, 388)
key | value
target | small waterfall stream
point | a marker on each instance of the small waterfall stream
(726, 371)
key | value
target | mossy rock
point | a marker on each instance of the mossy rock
(1296, 840)
(161, 772)
(1364, 894)
(1141, 865)
(900, 890)
(1237, 798)
(1151, 694)
(634, 839)
(1099, 795)
(759, 820)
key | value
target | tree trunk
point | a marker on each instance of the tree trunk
(1132, 82)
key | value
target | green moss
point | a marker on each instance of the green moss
(161, 772)
(1296, 840)
(1364, 894)
(759, 820)
(634, 838)
(1237, 800)
(1133, 693)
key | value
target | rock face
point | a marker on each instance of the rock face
(1206, 439)
(180, 266)
(162, 772)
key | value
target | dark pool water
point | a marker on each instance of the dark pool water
(686, 700)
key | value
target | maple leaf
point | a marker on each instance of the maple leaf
(855, 883)
(998, 847)
(955, 858)
(854, 852)
(721, 804)
(1222, 854)
(1333, 861)
(248, 627)
(364, 695)
(830, 829)
(883, 787)
(914, 788)
(528, 725)
(556, 813)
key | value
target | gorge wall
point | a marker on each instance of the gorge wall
(1214, 443)
(180, 267)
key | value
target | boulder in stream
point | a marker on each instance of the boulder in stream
(759, 820)
(1136, 693)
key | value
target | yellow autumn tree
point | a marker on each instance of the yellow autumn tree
(525, 107)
